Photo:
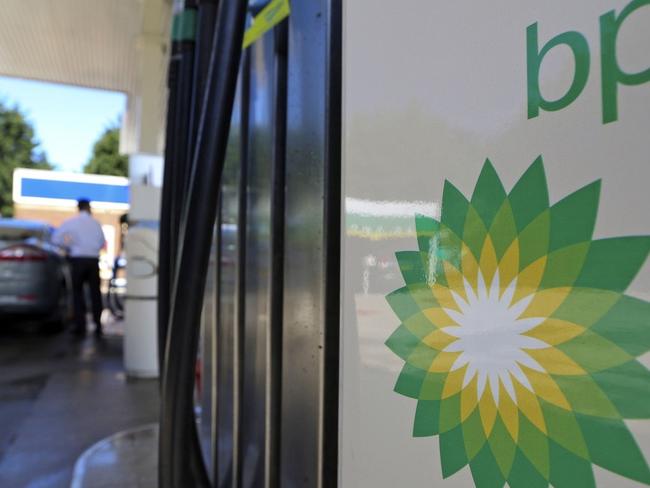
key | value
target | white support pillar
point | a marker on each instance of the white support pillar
(142, 138)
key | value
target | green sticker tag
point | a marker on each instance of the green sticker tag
(184, 26)
(271, 15)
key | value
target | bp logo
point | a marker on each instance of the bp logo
(519, 343)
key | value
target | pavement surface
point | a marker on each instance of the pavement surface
(128, 459)
(58, 397)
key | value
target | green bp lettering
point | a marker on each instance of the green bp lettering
(612, 75)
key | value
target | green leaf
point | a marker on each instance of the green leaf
(585, 306)
(502, 446)
(422, 296)
(628, 387)
(533, 240)
(564, 265)
(474, 434)
(585, 396)
(612, 446)
(402, 342)
(574, 217)
(534, 444)
(447, 247)
(450, 413)
(529, 197)
(427, 229)
(18, 149)
(475, 232)
(106, 158)
(452, 451)
(409, 382)
(564, 429)
(569, 470)
(454, 208)
(422, 356)
(432, 386)
(489, 194)
(524, 475)
(503, 230)
(402, 303)
(411, 265)
(427, 418)
(419, 325)
(485, 470)
(627, 324)
(593, 352)
(613, 263)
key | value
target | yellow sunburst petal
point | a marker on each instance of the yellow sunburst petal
(556, 331)
(529, 279)
(555, 361)
(438, 317)
(529, 406)
(453, 383)
(468, 399)
(508, 412)
(443, 362)
(454, 279)
(547, 388)
(444, 297)
(469, 266)
(438, 339)
(488, 410)
(509, 266)
(546, 302)
(488, 262)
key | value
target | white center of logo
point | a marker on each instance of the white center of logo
(490, 337)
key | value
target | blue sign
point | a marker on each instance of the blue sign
(74, 190)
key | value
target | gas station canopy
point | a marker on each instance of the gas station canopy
(118, 45)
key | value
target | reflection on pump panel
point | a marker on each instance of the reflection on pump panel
(262, 385)
(271, 251)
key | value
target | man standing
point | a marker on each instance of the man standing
(83, 238)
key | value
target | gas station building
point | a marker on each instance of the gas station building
(116, 45)
(51, 196)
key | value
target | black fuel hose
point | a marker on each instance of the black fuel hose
(165, 228)
(205, 25)
(177, 426)
(177, 164)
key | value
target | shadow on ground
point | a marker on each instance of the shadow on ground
(59, 396)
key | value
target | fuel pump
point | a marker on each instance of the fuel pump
(195, 232)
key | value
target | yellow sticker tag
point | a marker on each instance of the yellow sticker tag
(271, 15)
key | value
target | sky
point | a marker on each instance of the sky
(67, 120)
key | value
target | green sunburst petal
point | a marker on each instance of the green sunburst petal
(488, 195)
(529, 196)
(574, 217)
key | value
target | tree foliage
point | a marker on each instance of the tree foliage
(106, 158)
(18, 149)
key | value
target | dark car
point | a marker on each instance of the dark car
(34, 275)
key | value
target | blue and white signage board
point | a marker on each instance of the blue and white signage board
(60, 189)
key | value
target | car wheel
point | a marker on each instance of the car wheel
(57, 321)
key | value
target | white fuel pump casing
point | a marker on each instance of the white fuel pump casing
(140, 345)
(140, 334)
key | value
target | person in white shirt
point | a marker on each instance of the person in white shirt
(83, 238)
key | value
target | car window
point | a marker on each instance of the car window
(10, 235)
